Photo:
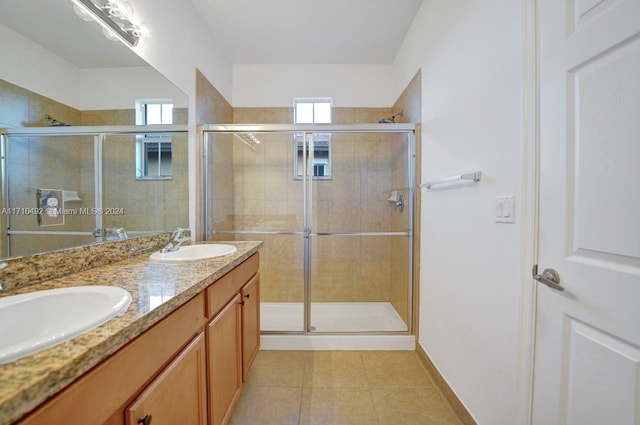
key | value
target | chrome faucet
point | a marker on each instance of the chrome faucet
(118, 232)
(2, 266)
(177, 239)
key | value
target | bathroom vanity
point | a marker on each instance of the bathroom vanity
(183, 360)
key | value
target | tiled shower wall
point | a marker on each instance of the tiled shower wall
(365, 168)
(67, 163)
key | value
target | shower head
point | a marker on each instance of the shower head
(55, 122)
(391, 119)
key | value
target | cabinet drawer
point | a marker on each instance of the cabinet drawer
(246, 270)
(222, 290)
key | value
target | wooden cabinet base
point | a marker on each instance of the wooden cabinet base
(100, 396)
(250, 323)
(178, 394)
(224, 346)
(186, 369)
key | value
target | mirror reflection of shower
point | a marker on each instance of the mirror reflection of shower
(55, 122)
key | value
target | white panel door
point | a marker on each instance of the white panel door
(587, 355)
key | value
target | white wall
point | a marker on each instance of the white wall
(35, 68)
(348, 85)
(29, 65)
(180, 43)
(470, 56)
(117, 88)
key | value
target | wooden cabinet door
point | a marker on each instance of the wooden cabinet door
(224, 343)
(178, 394)
(250, 323)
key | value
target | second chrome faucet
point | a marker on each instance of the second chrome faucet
(177, 239)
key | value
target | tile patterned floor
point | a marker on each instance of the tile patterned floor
(341, 388)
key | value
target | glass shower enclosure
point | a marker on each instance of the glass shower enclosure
(334, 207)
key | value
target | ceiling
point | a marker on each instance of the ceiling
(309, 31)
(250, 31)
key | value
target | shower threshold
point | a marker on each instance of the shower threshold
(332, 317)
(329, 320)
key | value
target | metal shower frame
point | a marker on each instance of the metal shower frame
(307, 231)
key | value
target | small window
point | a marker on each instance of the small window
(154, 151)
(313, 111)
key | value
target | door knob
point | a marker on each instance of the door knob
(549, 277)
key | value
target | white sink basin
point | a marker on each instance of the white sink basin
(195, 252)
(32, 322)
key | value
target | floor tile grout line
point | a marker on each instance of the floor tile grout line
(369, 388)
(306, 361)
(300, 405)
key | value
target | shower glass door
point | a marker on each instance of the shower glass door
(333, 205)
(87, 176)
(252, 194)
(360, 239)
(48, 190)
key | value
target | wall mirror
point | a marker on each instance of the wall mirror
(62, 75)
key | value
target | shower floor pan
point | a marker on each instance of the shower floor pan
(332, 317)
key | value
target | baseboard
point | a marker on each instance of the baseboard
(462, 412)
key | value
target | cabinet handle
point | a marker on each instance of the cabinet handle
(248, 296)
(145, 420)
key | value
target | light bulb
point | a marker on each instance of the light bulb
(110, 35)
(120, 9)
(82, 13)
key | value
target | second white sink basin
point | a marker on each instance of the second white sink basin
(195, 252)
(32, 322)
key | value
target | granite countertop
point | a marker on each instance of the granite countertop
(156, 288)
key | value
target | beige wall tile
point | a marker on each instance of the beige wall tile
(266, 194)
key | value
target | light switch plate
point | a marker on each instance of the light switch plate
(505, 209)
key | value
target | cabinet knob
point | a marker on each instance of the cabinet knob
(145, 420)
(241, 303)
(248, 296)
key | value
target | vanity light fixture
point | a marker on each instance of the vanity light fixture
(113, 15)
